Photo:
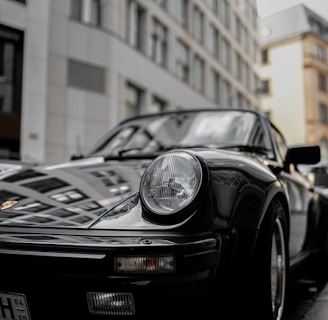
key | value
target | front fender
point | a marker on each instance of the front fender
(240, 190)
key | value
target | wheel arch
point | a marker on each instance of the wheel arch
(278, 194)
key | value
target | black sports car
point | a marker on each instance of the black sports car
(185, 213)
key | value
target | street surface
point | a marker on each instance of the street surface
(307, 298)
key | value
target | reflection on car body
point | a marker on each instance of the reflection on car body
(193, 212)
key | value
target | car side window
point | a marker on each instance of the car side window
(258, 137)
(281, 144)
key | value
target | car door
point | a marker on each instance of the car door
(301, 198)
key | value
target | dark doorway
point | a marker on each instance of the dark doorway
(11, 65)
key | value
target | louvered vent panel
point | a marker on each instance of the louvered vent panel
(86, 76)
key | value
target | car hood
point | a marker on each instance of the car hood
(73, 194)
(93, 193)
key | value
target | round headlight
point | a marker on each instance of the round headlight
(170, 183)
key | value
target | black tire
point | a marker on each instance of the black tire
(269, 292)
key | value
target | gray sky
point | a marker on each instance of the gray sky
(267, 7)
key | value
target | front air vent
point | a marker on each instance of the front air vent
(86, 76)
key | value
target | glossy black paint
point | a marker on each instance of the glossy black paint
(70, 220)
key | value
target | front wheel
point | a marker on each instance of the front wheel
(278, 270)
(270, 267)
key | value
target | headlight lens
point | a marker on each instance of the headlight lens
(170, 183)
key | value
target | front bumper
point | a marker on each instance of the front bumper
(57, 277)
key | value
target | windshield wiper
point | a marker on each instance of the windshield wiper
(247, 148)
(189, 146)
(122, 151)
(166, 148)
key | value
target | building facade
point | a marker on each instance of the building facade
(72, 69)
(294, 74)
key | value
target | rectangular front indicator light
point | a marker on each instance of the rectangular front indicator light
(111, 303)
(145, 264)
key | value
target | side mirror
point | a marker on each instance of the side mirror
(302, 154)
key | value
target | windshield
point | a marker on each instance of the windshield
(160, 132)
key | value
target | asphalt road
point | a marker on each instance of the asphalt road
(319, 310)
(309, 299)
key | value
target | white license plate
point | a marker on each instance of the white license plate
(13, 306)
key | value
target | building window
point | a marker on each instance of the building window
(226, 93)
(255, 51)
(135, 25)
(214, 41)
(239, 63)
(320, 52)
(159, 43)
(198, 25)
(244, 38)
(134, 100)
(255, 86)
(11, 52)
(225, 56)
(247, 77)
(236, 26)
(265, 56)
(7, 75)
(11, 66)
(198, 74)
(254, 17)
(322, 82)
(214, 5)
(215, 87)
(316, 26)
(224, 10)
(182, 62)
(162, 3)
(240, 100)
(182, 12)
(323, 113)
(243, 72)
(87, 11)
(265, 88)
(158, 105)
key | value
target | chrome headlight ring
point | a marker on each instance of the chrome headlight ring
(170, 185)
